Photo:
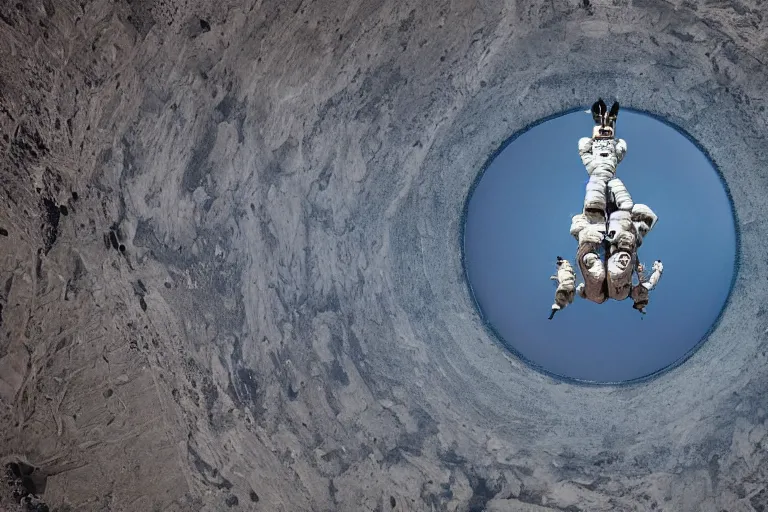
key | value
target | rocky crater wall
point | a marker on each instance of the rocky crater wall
(230, 268)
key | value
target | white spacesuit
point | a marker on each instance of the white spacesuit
(611, 227)
(566, 285)
(601, 156)
(640, 291)
(607, 216)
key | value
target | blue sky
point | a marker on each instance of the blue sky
(518, 221)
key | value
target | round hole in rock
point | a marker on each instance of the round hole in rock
(517, 222)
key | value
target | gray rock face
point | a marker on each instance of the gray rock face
(230, 265)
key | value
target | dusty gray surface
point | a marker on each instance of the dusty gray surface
(288, 327)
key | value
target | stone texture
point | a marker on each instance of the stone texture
(230, 264)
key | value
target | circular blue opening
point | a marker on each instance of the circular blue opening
(517, 222)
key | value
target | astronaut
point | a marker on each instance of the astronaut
(614, 278)
(611, 226)
(566, 285)
(640, 291)
(606, 205)
(601, 154)
(566, 279)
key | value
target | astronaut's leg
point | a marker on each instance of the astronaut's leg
(623, 253)
(619, 195)
(593, 271)
(566, 282)
(620, 233)
(596, 196)
(593, 264)
(619, 274)
(589, 229)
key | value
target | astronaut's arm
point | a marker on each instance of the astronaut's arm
(621, 149)
(640, 292)
(566, 281)
(658, 269)
(585, 150)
